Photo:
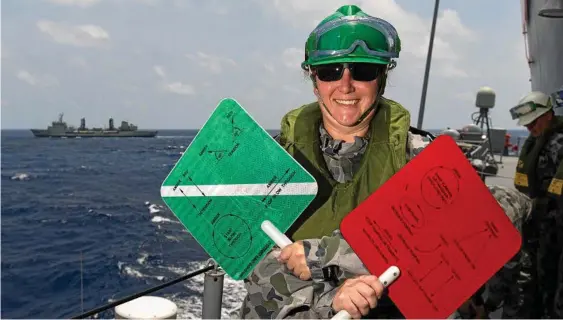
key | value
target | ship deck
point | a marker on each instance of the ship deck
(505, 175)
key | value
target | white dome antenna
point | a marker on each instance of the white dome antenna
(485, 98)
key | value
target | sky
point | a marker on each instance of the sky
(166, 64)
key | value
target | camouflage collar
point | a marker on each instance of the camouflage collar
(342, 158)
(339, 148)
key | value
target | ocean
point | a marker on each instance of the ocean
(95, 202)
(99, 198)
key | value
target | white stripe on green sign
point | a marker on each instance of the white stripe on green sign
(233, 190)
(231, 178)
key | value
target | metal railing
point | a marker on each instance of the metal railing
(212, 292)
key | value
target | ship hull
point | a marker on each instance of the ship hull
(95, 134)
(545, 49)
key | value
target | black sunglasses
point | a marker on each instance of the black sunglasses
(359, 71)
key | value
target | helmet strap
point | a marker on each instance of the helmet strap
(382, 81)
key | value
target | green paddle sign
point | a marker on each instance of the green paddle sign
(232, 178)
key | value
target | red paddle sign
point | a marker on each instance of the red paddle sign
(437, 221)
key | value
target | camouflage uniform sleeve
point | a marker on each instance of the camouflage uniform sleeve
(557, 158)
(512, 286)
(332, 258)
(556, 148)
(274, 293)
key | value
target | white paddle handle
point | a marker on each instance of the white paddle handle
(386, 278)
(342, 315)
(281, 240)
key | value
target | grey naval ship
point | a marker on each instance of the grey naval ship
(60, 129)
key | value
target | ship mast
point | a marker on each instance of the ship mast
(428, 61)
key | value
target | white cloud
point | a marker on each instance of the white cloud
(441, 50)
(88, 35)
(90, 3)
(292, 57)
(222, 11)
(78, 62)
(269, 67)
(155, 3)
(213, 63)
(449, 70)
(78, 3)
(291, 89)
(466, 97)
(257, 95)
(179, 88)
(450, 24)
(258, 58)
(159, 70)
(413, 29)
(37, 80)
(176, 87)
(144, 60)
(299, 13)
(150, 2)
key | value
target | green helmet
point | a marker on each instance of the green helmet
(350, 35)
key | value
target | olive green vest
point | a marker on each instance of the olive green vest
(385, 155)
(525, 179)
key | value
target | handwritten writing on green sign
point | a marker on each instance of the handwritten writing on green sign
(232, 177)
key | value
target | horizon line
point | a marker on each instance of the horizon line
(176, 129)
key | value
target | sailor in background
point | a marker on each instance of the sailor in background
(539, 174)
(557, 101)
(510, 291)
(557, 96)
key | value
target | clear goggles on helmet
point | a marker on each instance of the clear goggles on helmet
(341, 46)
(557, 98)
(524, 109)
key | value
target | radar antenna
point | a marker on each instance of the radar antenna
(485, 100)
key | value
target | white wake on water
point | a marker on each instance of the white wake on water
(188, 307)
(153, 208)
(20, 177)
(191, 308)
(133, 272)
(158, 219)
